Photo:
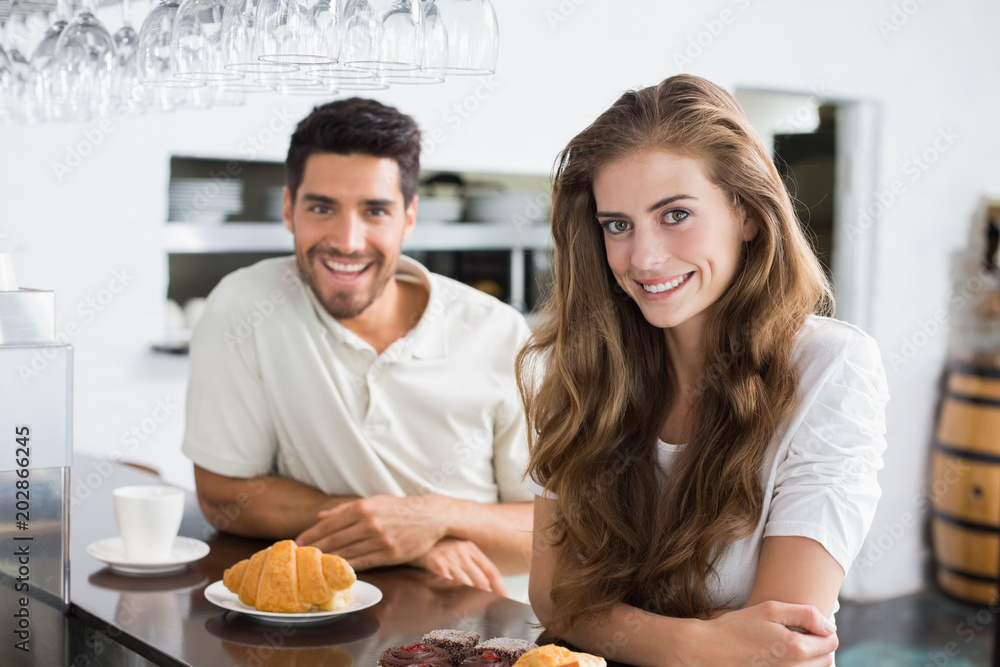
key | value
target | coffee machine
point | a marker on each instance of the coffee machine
(36, 404)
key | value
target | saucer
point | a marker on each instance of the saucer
(364, 595)
(112, 551)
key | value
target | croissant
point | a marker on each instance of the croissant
(551, 655)
(291, 579)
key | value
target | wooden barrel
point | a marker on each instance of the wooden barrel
(965, 484)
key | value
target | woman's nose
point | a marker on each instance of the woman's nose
(650, 247)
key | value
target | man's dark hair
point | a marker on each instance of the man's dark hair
(356, 126)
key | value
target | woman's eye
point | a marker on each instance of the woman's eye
(676, 216)
(617, 226)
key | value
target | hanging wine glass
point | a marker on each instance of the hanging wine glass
(7, 105)
(361, 33)
(41, 101)
(5, 69)
(401, 46)
(39, 94)
(434, 52)
(126, 36)
(473, 36)
(25, 30)
(127, 85)
(85, 64)
(162, 91)
(240, 48)
(196, 42)
(298, 32)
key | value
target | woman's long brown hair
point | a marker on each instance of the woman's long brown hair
(596, 378)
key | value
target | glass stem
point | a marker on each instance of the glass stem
(126, 6)
(64, 10)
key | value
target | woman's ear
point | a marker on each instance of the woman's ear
(750, 229)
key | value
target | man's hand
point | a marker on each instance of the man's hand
(463, 561)
(381, 530)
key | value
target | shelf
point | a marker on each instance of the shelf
(182, 237)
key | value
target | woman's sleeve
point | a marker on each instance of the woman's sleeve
(826, 487)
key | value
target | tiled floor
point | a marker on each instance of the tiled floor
(922, 630)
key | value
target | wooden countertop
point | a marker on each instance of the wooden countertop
(168, 621)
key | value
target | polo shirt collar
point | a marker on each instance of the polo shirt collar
(427, 340)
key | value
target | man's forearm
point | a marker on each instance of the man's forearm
(501, 530)
(267, 506)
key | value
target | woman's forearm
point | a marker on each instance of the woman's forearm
(760, 634)
(636, 637)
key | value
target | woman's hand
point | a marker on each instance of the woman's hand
(762, 636)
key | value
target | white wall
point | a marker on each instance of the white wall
(561, 63)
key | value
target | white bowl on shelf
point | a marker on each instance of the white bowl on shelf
(522, 206)
(438, 210)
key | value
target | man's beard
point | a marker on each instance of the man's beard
(343, 304)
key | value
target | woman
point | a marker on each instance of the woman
(704, 442)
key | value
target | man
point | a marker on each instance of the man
(349, 398)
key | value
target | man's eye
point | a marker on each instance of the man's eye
(320, 209)
(375, 212)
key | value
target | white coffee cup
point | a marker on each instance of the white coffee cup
(148, 520)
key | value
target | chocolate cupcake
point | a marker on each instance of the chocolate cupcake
(485, 659)
(415, 654)
(458, 643)
(505, 647)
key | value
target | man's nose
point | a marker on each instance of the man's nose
(349, 234)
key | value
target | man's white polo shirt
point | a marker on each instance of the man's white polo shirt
(278, 385)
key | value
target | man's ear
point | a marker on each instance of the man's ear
(286, 210)
(411, 217)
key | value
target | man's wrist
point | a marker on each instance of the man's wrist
(446, 516)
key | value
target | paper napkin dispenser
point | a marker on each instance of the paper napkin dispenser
(36, 405)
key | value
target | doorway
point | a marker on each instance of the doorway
(825, 150)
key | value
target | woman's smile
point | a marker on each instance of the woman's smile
(658, 286)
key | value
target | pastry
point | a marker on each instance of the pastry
(288, 578)
(485, 659)
(458, 643)
(415, 654)
(505, 647)
(551, 655)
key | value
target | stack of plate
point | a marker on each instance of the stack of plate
(514, 207)
(436, 210)
(204, 200)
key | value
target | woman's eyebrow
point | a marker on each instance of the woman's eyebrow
(666, 201)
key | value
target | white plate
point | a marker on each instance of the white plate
(365, 595)
(112, 551)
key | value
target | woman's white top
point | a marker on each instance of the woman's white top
(820, 472)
